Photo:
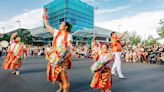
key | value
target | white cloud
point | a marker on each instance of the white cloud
(102, 11)
(144, 23)
(29, 19)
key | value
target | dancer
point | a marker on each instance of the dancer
(102, 78)
(117, 51)
(13, 59)
(60, 56)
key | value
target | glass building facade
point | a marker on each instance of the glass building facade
(75, 12)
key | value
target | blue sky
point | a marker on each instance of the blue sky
(141, 16)
(10, 8)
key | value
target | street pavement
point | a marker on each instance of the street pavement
(140, 77)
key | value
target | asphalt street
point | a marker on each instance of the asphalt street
(140, 77)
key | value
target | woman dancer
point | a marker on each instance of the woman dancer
(60, 56)
(13, 59)
(102, 78)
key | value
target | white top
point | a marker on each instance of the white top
(13, 44)
(61, 38)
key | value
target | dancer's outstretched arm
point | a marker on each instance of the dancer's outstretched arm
(47, 25)
(13, 36)
(122, 35)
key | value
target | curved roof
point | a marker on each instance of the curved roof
(98, 31)
(41, 32)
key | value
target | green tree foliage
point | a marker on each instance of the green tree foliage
(5, 37)
(150, 41)
(160, 29)
(25, 35)
(132, 38)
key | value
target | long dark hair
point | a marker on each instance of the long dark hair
(69, 27)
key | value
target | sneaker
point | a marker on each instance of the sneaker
(122, 77)
(17, 73)
(114, 74)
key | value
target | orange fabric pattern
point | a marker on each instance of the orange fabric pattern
(102, 80)
(55, 39)
(59, 72)
(12, 61)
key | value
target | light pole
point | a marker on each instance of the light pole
(3, 28)
(94, 32)
(19, 23)
(119, 28)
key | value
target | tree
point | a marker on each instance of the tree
(25, 35)
(5, 37)
(160, 29)
(132, 38)
(151, 40)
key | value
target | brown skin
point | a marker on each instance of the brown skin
(114, 35)
(93, 42)
(104, 48)
(121, 36)
(62, 28)
(17, 40)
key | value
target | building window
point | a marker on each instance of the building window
(61, 20)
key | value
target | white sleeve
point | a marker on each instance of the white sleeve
(70, 38)
(55, 32)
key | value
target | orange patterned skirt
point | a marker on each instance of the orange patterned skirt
(11, 62)
(102, 80)
(59, 72)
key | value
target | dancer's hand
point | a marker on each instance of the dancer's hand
(45, 18)
(13, 36)
(45, 15)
